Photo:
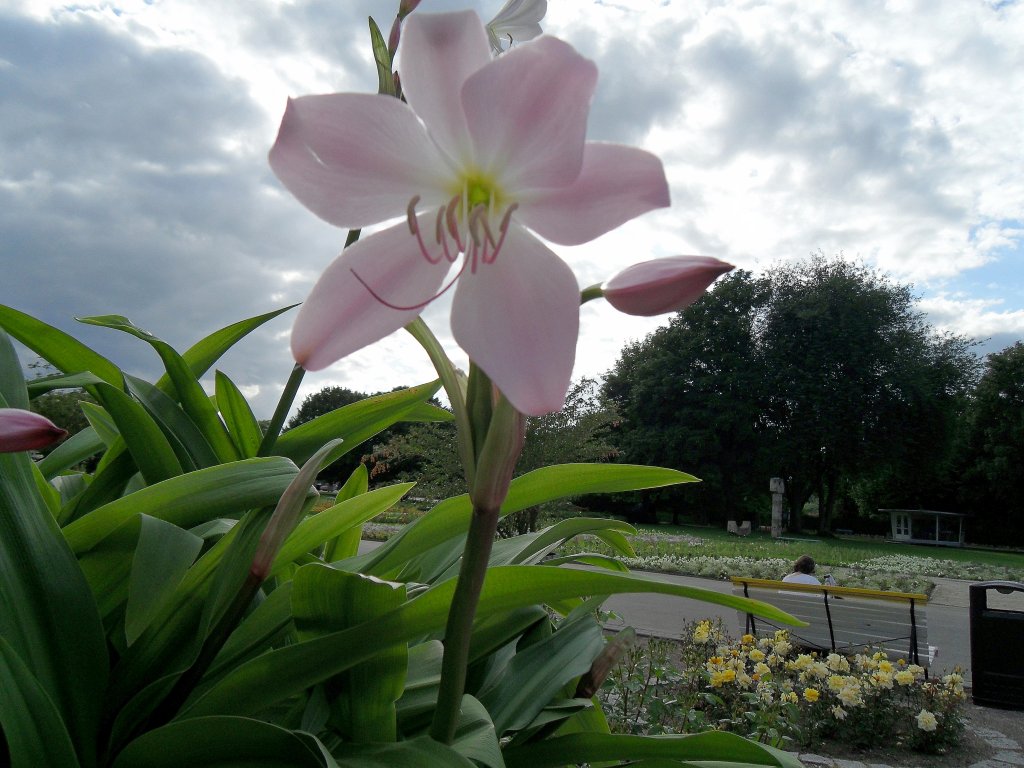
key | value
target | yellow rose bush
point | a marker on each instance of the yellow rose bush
(767, 689)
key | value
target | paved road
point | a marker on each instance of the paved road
(664, 616)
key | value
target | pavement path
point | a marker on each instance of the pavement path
(948, 615)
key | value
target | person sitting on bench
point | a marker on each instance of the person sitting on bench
(803, 569)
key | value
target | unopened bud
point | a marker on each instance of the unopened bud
(406, 7)
(395, 36)
(22, 430)
(662, 285)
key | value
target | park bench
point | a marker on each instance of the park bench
(843, 619)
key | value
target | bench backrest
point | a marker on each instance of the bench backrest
(843, 619)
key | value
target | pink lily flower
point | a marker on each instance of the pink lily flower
(484, 151)
(22, 430)
(662, 285)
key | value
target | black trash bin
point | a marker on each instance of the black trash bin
(997, 637)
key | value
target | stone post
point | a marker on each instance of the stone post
(778, 488)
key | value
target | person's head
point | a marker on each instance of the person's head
(804, 564)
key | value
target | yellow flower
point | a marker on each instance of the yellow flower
(747, 639)
(756, 654)
(905, 677)
(791, 697)
(811, 694)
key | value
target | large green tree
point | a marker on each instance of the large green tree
(821, 372)
(859, 384)
(691, 397)
(993, 451)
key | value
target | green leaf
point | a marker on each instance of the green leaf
(47, 613)
(190, 394)
(203, 354)
(192, 449)
(346, 544)
(12, 382)
(475, 737)
(74, 450)
(219, 742)
(190, 499)
(278, 674)
(423, 752)
(238, 416)
(102, 422)
(382, 58)
(333, 521)
(56, 347)
(537, 674)
(324, 601)
(149, 448)
(162, 558)
(32, 726)
(723, 750)
(451, 517)
(352, 423)
(45, 384)
(533, 548)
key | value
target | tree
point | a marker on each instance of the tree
(856, 378)
(993, 451)
(690, 395)
(324, 401)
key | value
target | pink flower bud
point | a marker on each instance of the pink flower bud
(406, 7)
(24, 430)
(395, 36)
(662, 285)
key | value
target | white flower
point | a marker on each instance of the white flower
(926, 721)
(517, 21)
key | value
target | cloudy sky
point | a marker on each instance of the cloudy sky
(134, 181)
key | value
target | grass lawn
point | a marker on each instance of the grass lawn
(845, 550)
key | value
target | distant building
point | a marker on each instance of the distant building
(927, 526)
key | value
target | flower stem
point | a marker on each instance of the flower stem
(459, 629)
(291, 387)
(496, 462)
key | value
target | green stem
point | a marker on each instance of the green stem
(459, 629)
(496, 462)
(593, 292)
(284, 405)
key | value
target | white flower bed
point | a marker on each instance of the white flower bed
(927, 566)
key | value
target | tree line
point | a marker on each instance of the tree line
(822, 373)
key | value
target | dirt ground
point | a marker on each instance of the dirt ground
(1010, 723)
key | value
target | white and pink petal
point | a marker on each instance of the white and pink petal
(439, 52)
(617, 183)
(357, 159)
(527, 114)
(518, 319)
(372, 289)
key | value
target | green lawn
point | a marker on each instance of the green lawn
(845, 550)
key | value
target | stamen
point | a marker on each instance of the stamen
(412, 307)
(503, 230)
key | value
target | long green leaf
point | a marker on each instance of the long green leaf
(12, 382)
(238, 416)
(47, 613)
(723, 750)
(353, 423)
(74, 450)
(30, 723)
(535, 675)
(333, 521)
(162, 558)
(272, 677)
(331, 601)
(451, 517)
(56, 347)
(190, 499)
(201, 356)
(149, 448)
(190, 394)
(346, 543)
(219, 742)
(422, 752)
(191, 447)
